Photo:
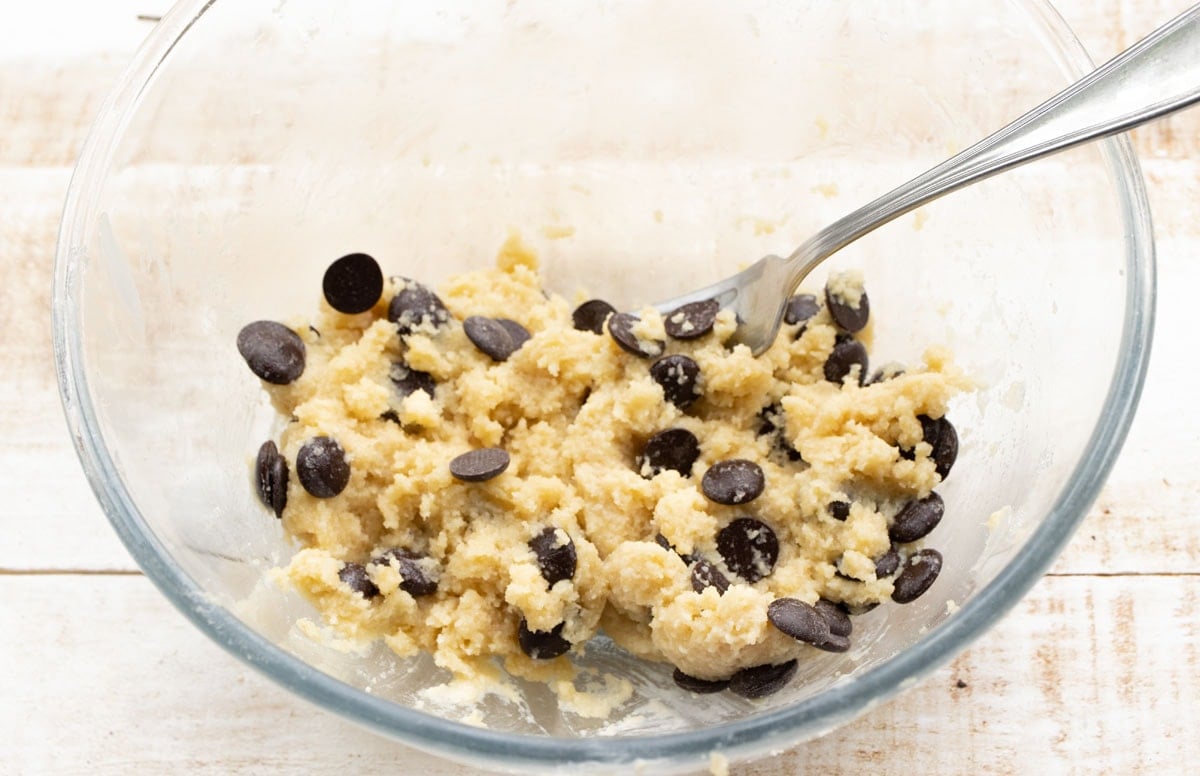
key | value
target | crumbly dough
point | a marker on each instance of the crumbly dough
(573, 410)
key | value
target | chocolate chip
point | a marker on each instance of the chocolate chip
(834, 643)
(391, 415)
(706, 575)
(490, 336)
(771, 422)
(620, 326)
(355, 576)
(414, 579)
(322, 467)
(679, 377)
(942, 437)
(798, 620)
(520, 335)
(749, 548)
(590, 315)
(702, 686)
(799, 309)
(271, 475)
(887, 563)
(408, 380)
(918, 574)
(886, 372)
(353, 283)
(675, 449)
(917, 518)
(273, 352)
(665, 543)
(835, 616)
(692, 320)
(415, 306)
(760, 681)
(846, 354)
(480, 465)
(733, 481)
(542, 645)
(851, 317)
(556, 560)
(839, 510)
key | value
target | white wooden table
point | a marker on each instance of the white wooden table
(1097, 671)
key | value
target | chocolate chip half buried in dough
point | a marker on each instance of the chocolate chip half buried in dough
(733, 481)
(542, 645)
(917, 518)
(491, 337)
(771, 422)
(620, 326)
(845, 355)
(798, 620)
(353, 283)
(413, 578)
(749, 548)
(414, 306)
(480, 465)
(591, 315)
(760, 681)
(271, 476)
(322, 467)
(679, 377)
(887, 563)
(839, 510)
(835, 616)
(701, 686)
(556, 559)
(274, 353)
(692, 320)
(665, 543)
(850, 317)
(706, 575)
(675, 449)
(799, 309)
(355, 576)
(408, 380)
(942, 437)
(918, 574)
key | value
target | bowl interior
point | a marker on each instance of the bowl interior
(644, 150)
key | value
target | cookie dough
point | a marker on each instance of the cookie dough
(492, 472)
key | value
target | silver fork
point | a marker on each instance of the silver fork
(1157, 76)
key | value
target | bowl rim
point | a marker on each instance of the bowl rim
(459, 741)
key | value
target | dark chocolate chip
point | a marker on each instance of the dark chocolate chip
(620, 326)
(480, 465)
(799, 309)
(591, 315)
(834, 643)
(692, 320)
(679, 377)
(702, 686)
(839, 510)
(555, 560)
(885, 373)
(355, 576)
(771, 422)
(490, 336)
(391, 415)
(761, 681)
(415, 306)
(353, 283)
(413, 578)
(917, 518)
(887, 563)
(917, 575)
(706, 575)
(273, 352)
(849, 317)
(846, 354)
(408, 380)
(733, 481)
(665, 543)
(675, 449)
(798, 620)
(836, 616)
(542, 645)
(322, 467)
(271, 474)
(749, 548)
(520, 335)
(942, 437)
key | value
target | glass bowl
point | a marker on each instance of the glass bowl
(644, 149)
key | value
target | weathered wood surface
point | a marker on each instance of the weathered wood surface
(1097, 671)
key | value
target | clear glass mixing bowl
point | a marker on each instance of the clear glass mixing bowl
(644, 149)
